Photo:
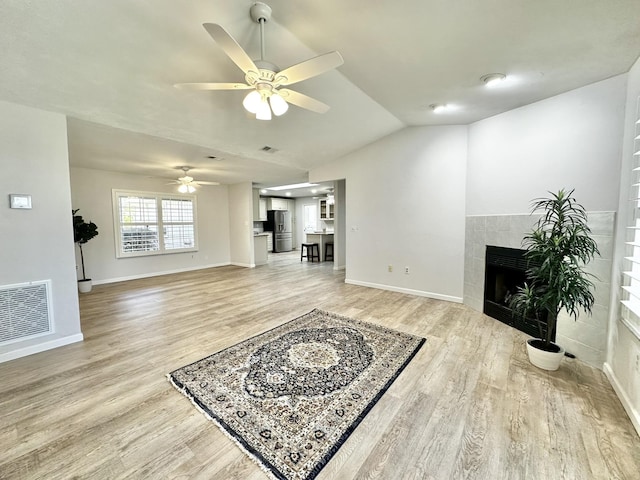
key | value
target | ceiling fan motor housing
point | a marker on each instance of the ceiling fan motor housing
(267, 73)
(260, 11)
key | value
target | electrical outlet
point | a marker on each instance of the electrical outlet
(390, 268)
(406, 270)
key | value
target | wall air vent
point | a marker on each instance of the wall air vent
(25, 311)
(269, 149)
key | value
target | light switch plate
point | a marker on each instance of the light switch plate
(20, 200)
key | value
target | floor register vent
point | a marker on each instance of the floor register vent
(25, 311)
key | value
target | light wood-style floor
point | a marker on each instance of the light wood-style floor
(468, 406)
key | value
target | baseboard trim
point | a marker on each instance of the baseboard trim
(40, 347)
(634, 415)
(246, 265)
(158, 274)
(409, 291)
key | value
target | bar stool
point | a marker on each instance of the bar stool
(312, 251)
(328, 251)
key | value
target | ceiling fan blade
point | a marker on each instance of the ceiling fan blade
(309, 68)
(201, 182)
(212, 86)
(303, 101)
(234, 51)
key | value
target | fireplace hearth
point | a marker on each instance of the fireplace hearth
(505, 271)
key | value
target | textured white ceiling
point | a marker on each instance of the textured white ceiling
(111, 65)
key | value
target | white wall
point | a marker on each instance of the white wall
(241, 224)
(573, 140)
(37, 244)
(405, 200)
(623, 352)
(91, 192)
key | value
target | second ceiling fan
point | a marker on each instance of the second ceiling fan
(187, 184)
(263, 78)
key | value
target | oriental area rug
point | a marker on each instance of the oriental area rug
(291, 396)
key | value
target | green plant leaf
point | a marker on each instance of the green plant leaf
(557, 249)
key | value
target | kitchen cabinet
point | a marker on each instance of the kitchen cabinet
(262, 209)
(259, 207)
(274, 203)
(326, 209)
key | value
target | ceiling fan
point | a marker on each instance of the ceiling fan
(263, 78)
(187, 183)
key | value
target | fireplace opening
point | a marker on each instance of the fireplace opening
(505, 271)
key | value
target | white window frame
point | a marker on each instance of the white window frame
(158, 197)
(630, 314)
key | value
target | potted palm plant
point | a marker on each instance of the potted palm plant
(557, 250)
(83, 232)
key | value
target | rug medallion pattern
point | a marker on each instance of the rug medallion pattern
(291, 396)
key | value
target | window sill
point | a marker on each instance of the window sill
(633, 311)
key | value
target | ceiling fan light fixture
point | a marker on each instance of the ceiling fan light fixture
(264, 111)
(191, 188)
(252, 102)
(182, 189)
(278, 104)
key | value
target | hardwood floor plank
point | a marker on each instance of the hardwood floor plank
(468, 406)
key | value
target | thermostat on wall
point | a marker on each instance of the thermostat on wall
(20, 200)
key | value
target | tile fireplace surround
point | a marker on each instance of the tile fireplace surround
(585, 338)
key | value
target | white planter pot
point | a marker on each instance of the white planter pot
(84, 286)
(543, 359)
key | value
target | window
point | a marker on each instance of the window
(153, 223)
(631, 286)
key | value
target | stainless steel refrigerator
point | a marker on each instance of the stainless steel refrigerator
(279, 221)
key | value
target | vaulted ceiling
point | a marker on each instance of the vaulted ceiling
(110, 66)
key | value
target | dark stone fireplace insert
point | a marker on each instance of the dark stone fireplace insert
(505, 271)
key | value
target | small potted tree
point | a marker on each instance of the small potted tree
(83, 232)
(557, 250)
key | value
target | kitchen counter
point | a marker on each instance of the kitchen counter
(321, 238)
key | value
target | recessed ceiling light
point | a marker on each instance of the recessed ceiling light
(493, 79)
(438, 107)
(288, 194)
(295, 185)
(264, 190)
(314, 191)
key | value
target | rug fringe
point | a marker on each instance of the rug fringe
(249, 454)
